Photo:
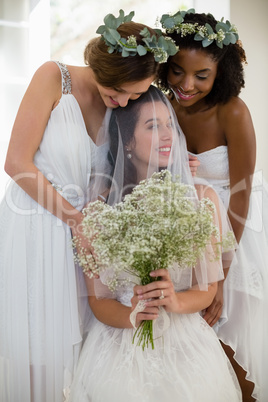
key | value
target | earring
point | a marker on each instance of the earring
(129, 156)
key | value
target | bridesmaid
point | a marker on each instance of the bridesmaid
(204, 80)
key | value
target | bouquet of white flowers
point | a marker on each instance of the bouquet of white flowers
(155, 226)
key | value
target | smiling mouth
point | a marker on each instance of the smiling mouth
(113, 101)
(183, 95)
(164, 149)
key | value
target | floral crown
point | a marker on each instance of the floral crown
(161, 47)
(225, 34)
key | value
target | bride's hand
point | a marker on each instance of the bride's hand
(148, 313)
(159, 293)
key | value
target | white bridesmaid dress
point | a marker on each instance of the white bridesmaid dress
(244, 322)
(41, 315)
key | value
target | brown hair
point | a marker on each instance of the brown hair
(113, 70)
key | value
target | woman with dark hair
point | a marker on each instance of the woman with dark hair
(51, 157)
(203, 81)
(187, 362)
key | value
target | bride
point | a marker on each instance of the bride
(187, 362)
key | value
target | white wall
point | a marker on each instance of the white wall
(251, 20)
(24, 45)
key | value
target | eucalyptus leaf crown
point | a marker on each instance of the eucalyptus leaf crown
(225, 34)
(162, 47)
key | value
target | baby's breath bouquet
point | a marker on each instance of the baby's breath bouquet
(156, 225)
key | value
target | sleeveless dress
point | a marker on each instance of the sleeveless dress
(244, 322)
(40, 313)
(186, 364)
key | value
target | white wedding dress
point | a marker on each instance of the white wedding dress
(41, 316)
(187, 362)
(244, 322)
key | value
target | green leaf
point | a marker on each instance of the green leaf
(145, 33)
(110, 21)
(112, 36)
(158, 32)
(169, 22)
(141, 50)
(164, 17)
(221, 25)
(163, 43)
(129, 16)
(198, 37)
(206, 42)
(125, 52)
(147, 42)
(209, 28)
(101, 29)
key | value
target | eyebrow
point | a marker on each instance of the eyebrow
(156, 119)
(153, 119)
(198, 71)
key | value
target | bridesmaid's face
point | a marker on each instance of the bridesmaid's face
(115, 97)
(191, 75)
(152, 138)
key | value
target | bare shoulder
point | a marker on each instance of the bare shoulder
(46, 85)
(235, 108)
(236, 121)
(48, 73)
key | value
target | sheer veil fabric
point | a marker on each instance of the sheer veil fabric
(188, 362)
(160, 145)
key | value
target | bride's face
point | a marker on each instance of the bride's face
(152, 138)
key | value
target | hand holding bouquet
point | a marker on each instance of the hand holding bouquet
(158, 224)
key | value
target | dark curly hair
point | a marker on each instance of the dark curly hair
(230, 70)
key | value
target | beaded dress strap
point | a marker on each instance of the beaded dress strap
(66, 78)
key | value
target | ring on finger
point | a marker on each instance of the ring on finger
(162, 295)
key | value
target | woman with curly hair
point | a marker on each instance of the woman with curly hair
(203, 81)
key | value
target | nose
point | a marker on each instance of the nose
(166, 134)
(123, 99)
(187, 84)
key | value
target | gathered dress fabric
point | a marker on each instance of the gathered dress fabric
(244, 321)
(41, 315)
(186, 364)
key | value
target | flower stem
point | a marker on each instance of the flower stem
(144, 333)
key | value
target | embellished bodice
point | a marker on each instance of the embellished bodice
(67, 154)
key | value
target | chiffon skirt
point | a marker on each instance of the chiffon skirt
(40, 324)
(187, 364)
(244, 323)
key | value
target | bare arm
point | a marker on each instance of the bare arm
(186, 302)
(113, 313)
(239, 131)
(41, 97)
(110, 311)
(240, 135)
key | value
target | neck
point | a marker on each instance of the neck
(90, 82)
(198, 107)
